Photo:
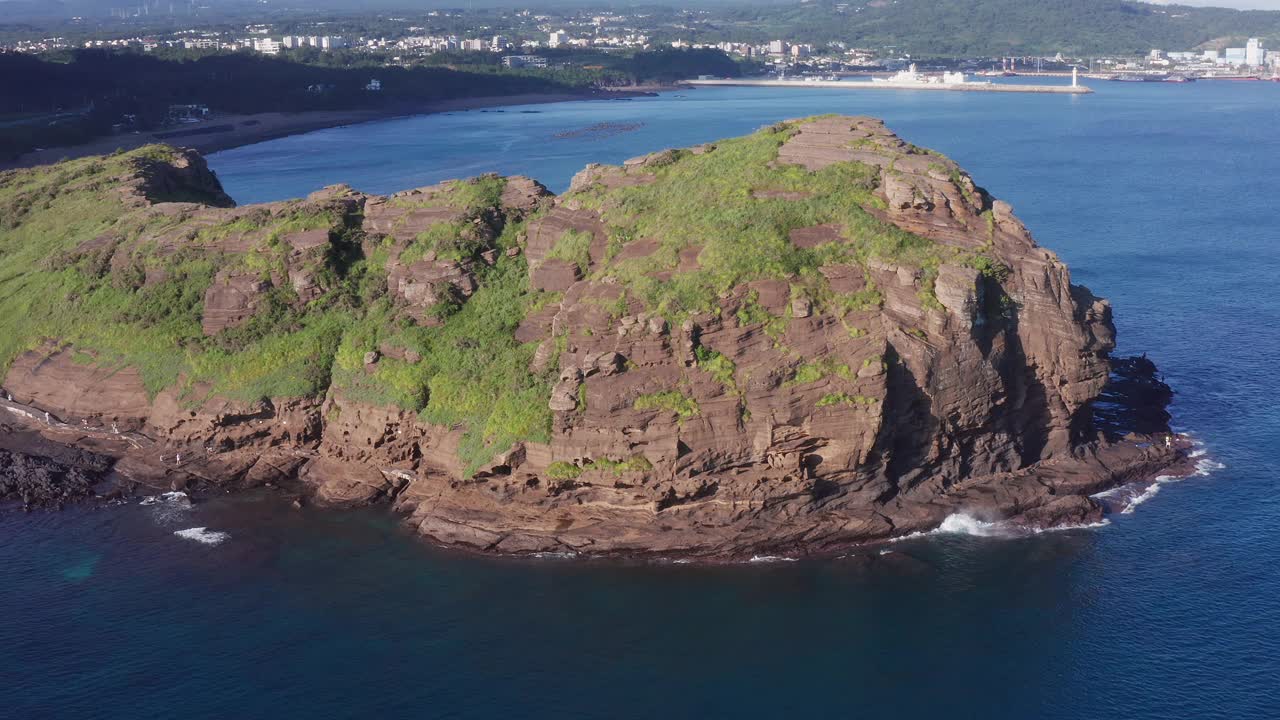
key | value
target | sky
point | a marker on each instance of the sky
(1239, 4)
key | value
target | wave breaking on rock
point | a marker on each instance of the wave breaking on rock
(812, 337)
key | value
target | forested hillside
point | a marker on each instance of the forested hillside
(994, 27)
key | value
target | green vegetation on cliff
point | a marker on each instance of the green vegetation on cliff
(304, 299)
(70, 274)
(735, 207)
(471, 372)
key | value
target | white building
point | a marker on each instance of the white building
(1254, 55)
(558, 38)
(520, 61)
(777, 47)
(266, 46)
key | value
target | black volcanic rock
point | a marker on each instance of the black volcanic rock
(38, 482)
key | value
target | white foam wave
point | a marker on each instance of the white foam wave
(204, 535)
(176, 497)
(1134, 495)
(1078, 526)
(1207, 467)
(564, 555)
(1140, 498)
(965, 524)
(168, 507)
(959, 524)
(770, 559)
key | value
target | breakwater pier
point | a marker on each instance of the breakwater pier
(887, 85)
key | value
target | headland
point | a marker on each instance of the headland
(811, 337)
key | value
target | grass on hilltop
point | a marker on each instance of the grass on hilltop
(470, 372)
(49, 289)
(710, 202)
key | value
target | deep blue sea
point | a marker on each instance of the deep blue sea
(1164, 198)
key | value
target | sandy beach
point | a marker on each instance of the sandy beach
(223, 131)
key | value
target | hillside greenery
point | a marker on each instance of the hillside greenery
(125, 285)
(71, 97)
(973, 28)
(728, 205)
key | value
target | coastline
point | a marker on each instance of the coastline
(90, 463)
(795, 492)
(223, 132)
(934, 87)
(1101, 479)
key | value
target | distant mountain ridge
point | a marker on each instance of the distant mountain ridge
(998, 27)
(918, 27)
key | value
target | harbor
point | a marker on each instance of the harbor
(909, 79)
(953, 87)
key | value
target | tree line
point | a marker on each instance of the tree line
(75, 96)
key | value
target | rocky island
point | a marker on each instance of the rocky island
(814, 336)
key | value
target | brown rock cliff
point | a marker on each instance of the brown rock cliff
(781, 422)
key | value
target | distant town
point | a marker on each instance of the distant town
(528, 39)
(158, 72)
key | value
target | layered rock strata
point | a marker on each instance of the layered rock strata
(866, 396)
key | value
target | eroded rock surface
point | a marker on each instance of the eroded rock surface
(36, 474)
(869, 396)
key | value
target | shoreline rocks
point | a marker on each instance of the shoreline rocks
(870, 399)
(50, 476)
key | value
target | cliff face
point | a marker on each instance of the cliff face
(809, 337)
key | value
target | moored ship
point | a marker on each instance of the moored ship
(911, 76)
(1141, 77)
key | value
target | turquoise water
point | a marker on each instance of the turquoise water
(1161, 197)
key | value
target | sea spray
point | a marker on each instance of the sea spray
(965, 524)
(203, 535)
(176, 498)
(1129, 497)
(168, 507)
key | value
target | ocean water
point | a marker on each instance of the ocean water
(1161, 197)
